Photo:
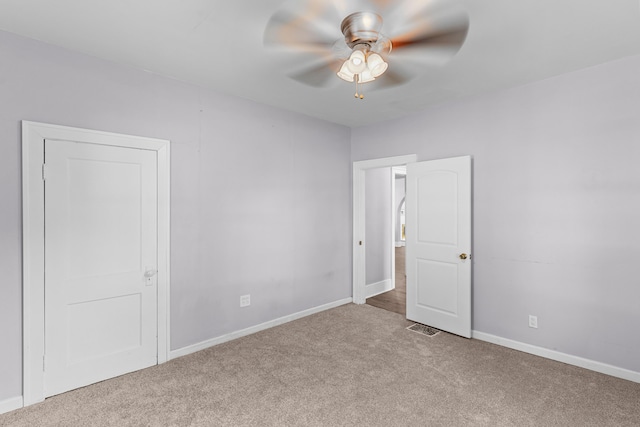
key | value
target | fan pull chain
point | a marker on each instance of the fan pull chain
(358, 95)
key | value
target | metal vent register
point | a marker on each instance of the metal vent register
(423, 329)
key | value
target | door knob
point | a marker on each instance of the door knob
(148, 275)
(463, 256)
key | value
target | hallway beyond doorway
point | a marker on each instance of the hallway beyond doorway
(394, 300)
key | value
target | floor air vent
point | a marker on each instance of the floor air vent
(423, 329)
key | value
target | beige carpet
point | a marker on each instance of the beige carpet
(355, 366)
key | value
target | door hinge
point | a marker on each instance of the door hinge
(44, 176)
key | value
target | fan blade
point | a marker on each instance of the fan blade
(298, 32)
(437, 28)
(340, 49)
(314, 26)
(394, 76)
(379, 6)
(450, 39)
(319, 74)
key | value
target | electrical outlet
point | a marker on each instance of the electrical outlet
(533, 321)
(245, 300)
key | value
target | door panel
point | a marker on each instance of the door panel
(93, 330)
(438, 215)
(433, 296)
(103, 206)
(437, 208)
(100, 238)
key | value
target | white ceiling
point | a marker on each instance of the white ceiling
(219, 44)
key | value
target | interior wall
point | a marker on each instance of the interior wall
(556, 201)
(377, 219)
(260, 199)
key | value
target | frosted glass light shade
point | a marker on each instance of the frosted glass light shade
(376, 65)
(365, 76)
(356, 62)
(344, 72)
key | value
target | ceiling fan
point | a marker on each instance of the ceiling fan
(353, 46)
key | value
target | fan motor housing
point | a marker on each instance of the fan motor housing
(361, 28)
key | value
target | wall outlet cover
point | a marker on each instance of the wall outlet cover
(245, 300)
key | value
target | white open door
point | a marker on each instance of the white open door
(101, 210)
(438, 244)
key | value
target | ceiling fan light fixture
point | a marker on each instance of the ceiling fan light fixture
(376, 65)
(345, 74)
(360, 56)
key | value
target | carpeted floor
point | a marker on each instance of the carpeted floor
(352, 366)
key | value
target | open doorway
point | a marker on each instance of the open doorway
(395, 299)
(438, 239)
(375, 249)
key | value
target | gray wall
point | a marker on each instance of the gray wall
(556, 205)
(260, 197)
(377, 219)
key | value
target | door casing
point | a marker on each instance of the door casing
(33, 137)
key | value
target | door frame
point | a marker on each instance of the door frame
(358, 189)
(33, 262)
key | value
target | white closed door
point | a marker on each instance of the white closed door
(438, 244)
(100, 263)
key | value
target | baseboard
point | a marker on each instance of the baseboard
(11, 404)
(253, 329)
(592, 365)
(377, 288)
